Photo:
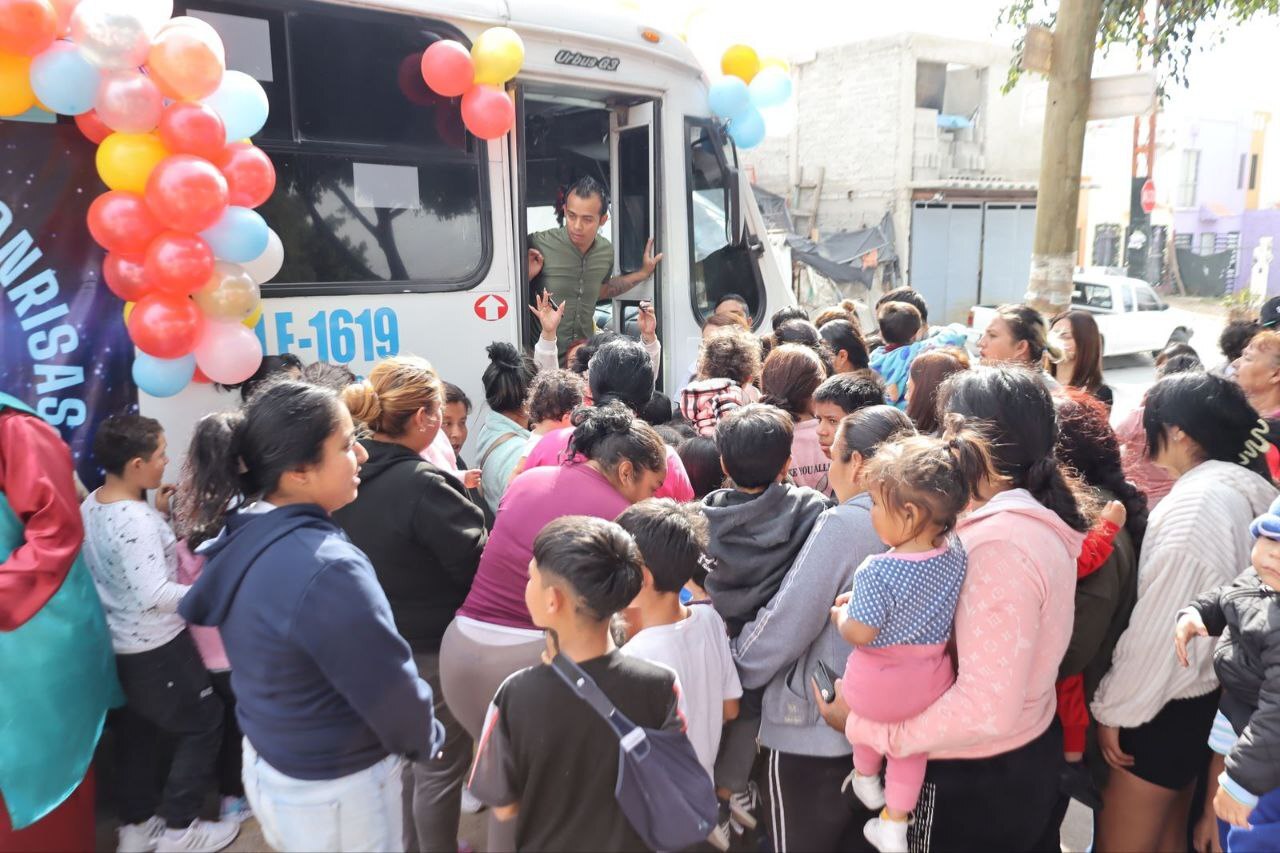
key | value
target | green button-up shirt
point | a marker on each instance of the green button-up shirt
(573, 279)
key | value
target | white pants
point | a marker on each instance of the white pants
(359, 812)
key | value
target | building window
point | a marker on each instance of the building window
(1182, 241)
(1253, 172)
(1106, 245)
(1208, 243)
(1190, 176)
(1230, 243)
(1240, 177)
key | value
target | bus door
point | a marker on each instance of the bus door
(634, 185)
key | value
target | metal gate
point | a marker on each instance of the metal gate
(967, 254)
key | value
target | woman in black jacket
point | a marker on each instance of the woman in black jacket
(424, 537)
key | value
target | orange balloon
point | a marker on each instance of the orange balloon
(186, 62)
(740, 61)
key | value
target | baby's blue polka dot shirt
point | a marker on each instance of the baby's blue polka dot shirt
(911, 598)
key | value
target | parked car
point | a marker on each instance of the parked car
(1131, 316)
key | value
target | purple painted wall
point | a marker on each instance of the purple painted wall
(1255, 224)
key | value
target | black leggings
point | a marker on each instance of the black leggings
(230, 782)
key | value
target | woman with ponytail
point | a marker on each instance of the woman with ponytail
(505, 428)
(1018, 336)
(328, 696)
(424, 537)
(1154, 716)
(621, 372)
(618, 460)
(994, 753)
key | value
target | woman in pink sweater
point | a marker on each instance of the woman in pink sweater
(994, 752)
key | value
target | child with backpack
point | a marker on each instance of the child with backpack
(547, 759)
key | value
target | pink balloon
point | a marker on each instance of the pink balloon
(228, 352)
(488, 112)
(447, 68)
(128, 102)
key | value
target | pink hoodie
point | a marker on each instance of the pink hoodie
(1012, 625)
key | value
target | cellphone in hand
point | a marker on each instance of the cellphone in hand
(825, 678)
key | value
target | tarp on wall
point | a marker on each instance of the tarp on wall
(849, 257)
(1203, 275)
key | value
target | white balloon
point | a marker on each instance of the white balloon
(267, 265)
(780, 121)
(112, 34)
(153, 14)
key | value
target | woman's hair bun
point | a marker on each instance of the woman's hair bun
(362, 401)
(504, 355)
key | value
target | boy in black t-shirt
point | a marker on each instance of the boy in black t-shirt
(546, 759)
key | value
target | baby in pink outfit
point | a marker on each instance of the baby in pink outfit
(900, 610)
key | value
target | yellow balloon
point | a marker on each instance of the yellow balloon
(16, 96)
(252, 320)
(128, 309)
(740, 61)
(774, 62)
(126, 160)
(497, 55)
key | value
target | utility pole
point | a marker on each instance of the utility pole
(1062, 152)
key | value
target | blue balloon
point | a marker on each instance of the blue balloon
(242, 103)
(64, 80)
(747, 130)
(162, 377)
(729, 97)
(239, 236)
(770, 88)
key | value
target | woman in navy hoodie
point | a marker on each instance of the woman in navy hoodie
(328, 696)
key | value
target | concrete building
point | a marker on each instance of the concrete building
(917, 126)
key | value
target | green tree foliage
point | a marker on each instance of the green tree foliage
(1182, 27)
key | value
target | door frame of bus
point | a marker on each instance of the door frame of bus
(520, 182)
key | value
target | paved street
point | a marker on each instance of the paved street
(1130, 376)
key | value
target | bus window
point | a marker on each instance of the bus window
(718, 265)
(635, 164)
(379, 188)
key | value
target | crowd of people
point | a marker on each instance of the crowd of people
(891, 595)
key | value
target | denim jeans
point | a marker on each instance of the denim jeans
(359, 812)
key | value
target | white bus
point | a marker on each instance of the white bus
(403, 234)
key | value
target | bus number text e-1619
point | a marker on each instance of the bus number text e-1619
(335, 336)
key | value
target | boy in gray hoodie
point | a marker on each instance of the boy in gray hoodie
(757, 528)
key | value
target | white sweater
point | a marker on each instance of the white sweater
(1197, 539)
(133, 557)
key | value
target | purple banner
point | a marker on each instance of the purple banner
(63, 345)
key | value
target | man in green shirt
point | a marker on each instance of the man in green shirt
(576, 263)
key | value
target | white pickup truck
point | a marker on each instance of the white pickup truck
(1131, 316)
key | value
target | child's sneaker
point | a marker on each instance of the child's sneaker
(202, 836)
(887, 836)
(742, 806)
(867, 789)
(235, 809)
(139, 837)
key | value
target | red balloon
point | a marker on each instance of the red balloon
(27, 27)
(447, 68)
(188, 127)
(488, 112)
(251, 177)
(179, 264)
(93, 128)
(448, 123)
(165, 326)
(122, 222)
(124, 276)
(199, 376)
(412, 86)
(187, 193)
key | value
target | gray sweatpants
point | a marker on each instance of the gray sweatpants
(433, 787)
(470, 673)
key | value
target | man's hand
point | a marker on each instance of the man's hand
(535, 263)
(548, 316)
(1231, 810)
(163, 497)
(650, 262)
(1189, 625)
(648, 322)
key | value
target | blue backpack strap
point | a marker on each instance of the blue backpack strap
(587, 689)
